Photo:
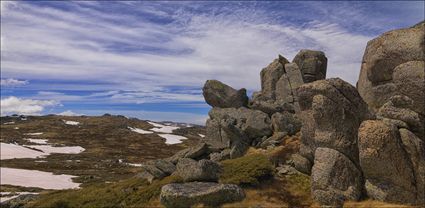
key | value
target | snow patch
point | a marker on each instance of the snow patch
(134, 164)
(34, 134)
(201, 135)
(140, 131)
(172, 138)
(37, 141)
(12, 151)
(35, 178)
(48, 149)
(73, 123)
(162, 128)
(8, 123)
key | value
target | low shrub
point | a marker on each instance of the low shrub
(247, 170)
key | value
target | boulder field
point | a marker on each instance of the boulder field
(356, 142)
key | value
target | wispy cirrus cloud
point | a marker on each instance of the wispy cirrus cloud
(10, 82)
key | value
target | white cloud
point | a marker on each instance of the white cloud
(12, 82)
(69, 113)
(53, 44)
(14, 105)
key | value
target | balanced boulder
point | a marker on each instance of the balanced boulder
(221, 95)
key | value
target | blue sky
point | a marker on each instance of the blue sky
(150, 59)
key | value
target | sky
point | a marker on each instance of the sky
(150, 59)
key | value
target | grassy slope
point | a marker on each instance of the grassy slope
(105, 138)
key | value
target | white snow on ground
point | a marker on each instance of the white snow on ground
(34, 134)
(6, 198)
(140, 131)
(162, 128)
(201, 135)
(7, 123)
(48, 149)
(134, 164)
(10, 151)
(38, 141)
(16, 128)
(73, 123)
(35, 178)
(172, 139)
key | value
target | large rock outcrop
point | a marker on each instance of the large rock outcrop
(392, 147)
(393, 63)
(197, 193)
(332, 111)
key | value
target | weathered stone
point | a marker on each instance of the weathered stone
(387, 67)
(208, 194)
(270, 107)
(221, 95)
(312, 65)
(294, 75)
(335, 178)
(203, 170)
(252, 122)
(219, 156)
(410, 117)
(276, 139)
(415, 148)
(409, 79)
(270, 75)
(283, 90)
(286, 122)
(301, 163)
(385, 164)
(286, 170)
(150, 173)
(165, 166)
(198, 151)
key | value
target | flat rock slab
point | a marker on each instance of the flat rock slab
(206, 193)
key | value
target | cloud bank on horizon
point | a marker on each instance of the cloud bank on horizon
(150, 59)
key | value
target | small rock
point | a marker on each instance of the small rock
(301, 163)
(285, 122)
